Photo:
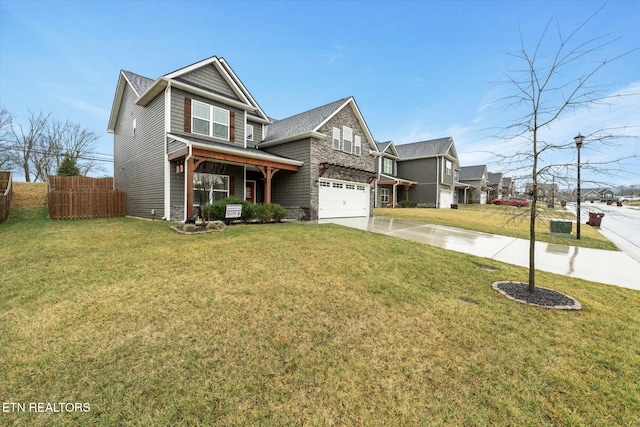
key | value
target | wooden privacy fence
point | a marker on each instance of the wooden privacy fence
(77, 197)
(6, 192)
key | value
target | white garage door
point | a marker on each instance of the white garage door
(446, 198)
(342, 199)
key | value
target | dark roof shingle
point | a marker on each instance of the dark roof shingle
(303, 122)
(430, 148)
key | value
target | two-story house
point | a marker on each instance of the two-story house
(431, 167)
(197, 135)
(476, 179)
(495, 182)
(388, 184)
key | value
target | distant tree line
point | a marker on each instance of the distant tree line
(38, 148)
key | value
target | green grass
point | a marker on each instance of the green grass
(292, 324)
(503, 220)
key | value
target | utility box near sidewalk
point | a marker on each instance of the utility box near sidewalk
(561, 228)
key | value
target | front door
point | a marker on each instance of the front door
(250, 195)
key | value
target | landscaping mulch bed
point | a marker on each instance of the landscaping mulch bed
(541, 297)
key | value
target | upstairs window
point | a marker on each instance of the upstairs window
(357, 147)
(210, 120)
(347, 139)
(387, 166)
(249, 132)
(447, 167)
(336, 138)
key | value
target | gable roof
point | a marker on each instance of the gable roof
(494, 178)
(139, 84)
(309, 122)
(147, 89)
(472, 173)
(387, 147)
(429, 148)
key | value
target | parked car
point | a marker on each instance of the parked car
(510, 201)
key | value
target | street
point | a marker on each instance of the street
(620, 224)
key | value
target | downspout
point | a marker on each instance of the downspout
(438, 184)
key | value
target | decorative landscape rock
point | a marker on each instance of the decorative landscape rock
(541, 297)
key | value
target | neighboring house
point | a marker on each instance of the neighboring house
(427, 170)
(546, 192)
(596, 194)
(507, 187)
(197, 135)
(476, 178)
(338, 155)
(495, 182)
(388, 184)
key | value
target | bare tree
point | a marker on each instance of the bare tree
(79, 142)
(39, 147)
(26, 142)
(547, 89)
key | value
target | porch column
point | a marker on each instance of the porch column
(267, 172)
(192, 165)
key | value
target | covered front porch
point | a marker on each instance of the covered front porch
(390, 189)
(212, 171)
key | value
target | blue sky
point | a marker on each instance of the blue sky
(417, 69)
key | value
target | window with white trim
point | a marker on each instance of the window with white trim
(209, 120)
(209, 187)
(135, 125)
(336, 138)
(357, 145)
(387, 166)
(347, 139)
(447, 167)
(384, 196)
(249, 132)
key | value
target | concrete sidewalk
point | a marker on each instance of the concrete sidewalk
(609, 267)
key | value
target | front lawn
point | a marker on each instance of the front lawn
(502, 220)
(291, 324)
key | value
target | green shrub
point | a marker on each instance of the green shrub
(278, 212)
(408, 204)
(217, 210)
(268, 212)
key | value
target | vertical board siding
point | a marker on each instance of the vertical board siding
(6, 193)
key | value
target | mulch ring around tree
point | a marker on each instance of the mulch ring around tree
(541, 297)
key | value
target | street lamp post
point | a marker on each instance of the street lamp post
(578, 139)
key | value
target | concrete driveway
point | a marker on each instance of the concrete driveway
(609, 267)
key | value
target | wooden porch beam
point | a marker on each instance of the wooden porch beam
(268, 173)
(213, 155)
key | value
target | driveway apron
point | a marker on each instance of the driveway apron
(609, 267)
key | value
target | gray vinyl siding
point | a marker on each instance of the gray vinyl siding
(293, 189)
(177, 116)
(139, 159)
(425, 173)
(209, 77)
(175, 146)
(176, 194)
(257, 134)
